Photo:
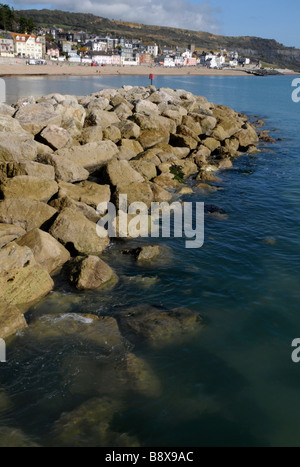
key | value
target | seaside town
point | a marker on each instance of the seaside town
(78, 47)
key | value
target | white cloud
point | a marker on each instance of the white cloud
(175, 13)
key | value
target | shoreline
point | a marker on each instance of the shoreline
(21, 70)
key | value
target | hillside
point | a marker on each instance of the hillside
(267, 50)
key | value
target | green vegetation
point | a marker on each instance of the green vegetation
(177, 172)
(12, 21)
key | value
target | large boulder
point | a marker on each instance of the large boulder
(211, 143)
(112, 133)
(150, 138)
(118, 173)
(226, 128)
(13, 256)
(30, 168)
(86, 192)
(17, 147)
(101, 118)
(24, 286)
(160, 195)
(26, 213)
(10, 124)
(77, 233)
(147, 107)
(29, 187)
(6, 109)
(123, 111)
(91, 156)
(71, 113)
(247, 136)
(89, 273)
(146, 169)
(91, 134)
(33, 117)
(189, 122)
(55, 137)
(47, 251)
(9, 233)
(155, 122)
(11, 320)
(186, 141)
(136, 192)
(129, 129)
(131, 144)
(125, 154)
(207, 122)
(65, 169)
(66, 202)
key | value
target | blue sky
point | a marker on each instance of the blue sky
(263, 18)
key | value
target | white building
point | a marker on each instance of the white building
(214, 61)
(99, 46)
(233, 62)
(152, 49)
(28, 46)
(169, 62)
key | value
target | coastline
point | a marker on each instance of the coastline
(78, 70)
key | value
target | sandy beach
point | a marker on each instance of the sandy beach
(80, 70)
(19, 68)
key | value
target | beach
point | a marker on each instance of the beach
(63, 69)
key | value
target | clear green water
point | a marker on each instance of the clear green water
(235, 384)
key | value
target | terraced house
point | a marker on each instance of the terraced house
(6, 47)
(27, 45)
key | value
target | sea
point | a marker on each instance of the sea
(235, 384)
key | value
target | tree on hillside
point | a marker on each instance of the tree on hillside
(26, 25)
(7, 17)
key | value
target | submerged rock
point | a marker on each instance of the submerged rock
(142, 378)
(90, 426)
(156, 327)
(101, 331)
(15, 438)
(145, 253)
